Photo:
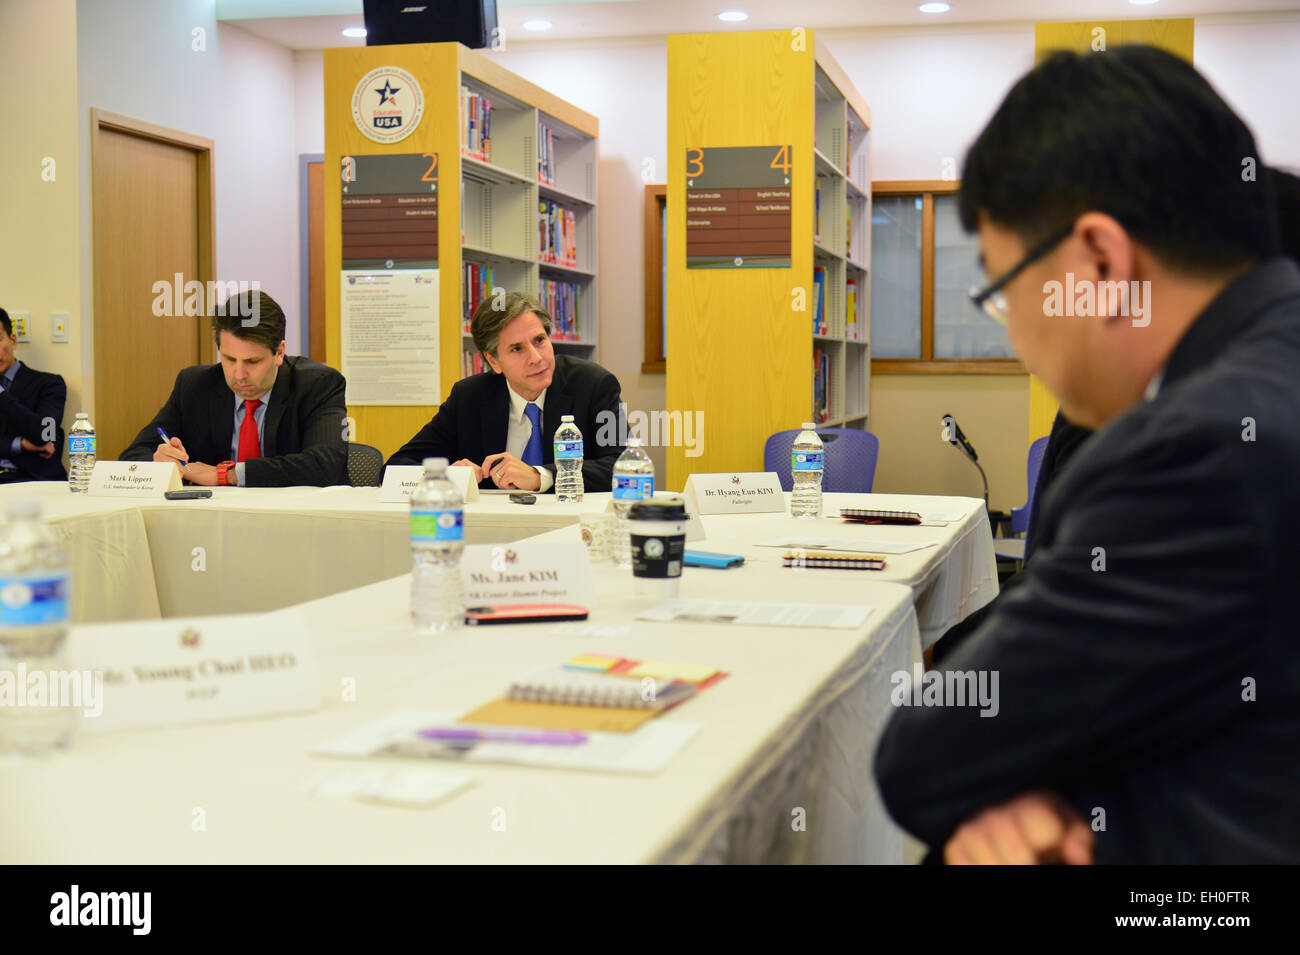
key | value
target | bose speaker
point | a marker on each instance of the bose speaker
(472, 22)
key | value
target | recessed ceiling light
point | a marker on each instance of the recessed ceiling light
(934, 7)
(538, 24)
(1141, 3)
(353, 31)
(733, 16)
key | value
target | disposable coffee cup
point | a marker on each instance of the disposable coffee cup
(657, 529)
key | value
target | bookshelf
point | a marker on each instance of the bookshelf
(742, 348)
(527, 147)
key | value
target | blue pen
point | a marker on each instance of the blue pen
(166, 440)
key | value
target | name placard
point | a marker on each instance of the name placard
(526, 573)
(134, 479)
(752, 492)
(163, 672)
(400, 479)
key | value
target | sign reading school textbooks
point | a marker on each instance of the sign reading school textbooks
(134, 479)
(738, 207)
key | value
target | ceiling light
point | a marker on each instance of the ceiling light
(934, 7)
(538, 24)
(733, 16)
(356, 32)
(1141, 3)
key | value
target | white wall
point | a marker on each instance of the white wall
(309, 101)
(139, 58)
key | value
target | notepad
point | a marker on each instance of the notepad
(583, 688)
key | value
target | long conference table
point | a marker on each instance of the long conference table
(789, 733)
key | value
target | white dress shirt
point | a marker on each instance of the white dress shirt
(521, 429)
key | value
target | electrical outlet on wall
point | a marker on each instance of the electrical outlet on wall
(22, 322)
(59, 327)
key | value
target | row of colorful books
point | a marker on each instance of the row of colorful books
(562, 299)
(471, 362)
(821, 385)
(545, 155)
(557, 233)
(475, 124)
(820, 325)
(476, 284)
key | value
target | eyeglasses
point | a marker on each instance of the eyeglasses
(992, 300)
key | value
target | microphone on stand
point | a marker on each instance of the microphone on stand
(953, 434)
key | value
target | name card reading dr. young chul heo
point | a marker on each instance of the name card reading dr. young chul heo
(162, 672)
(401, 479)
(134, 479)
(752, 492)
(526, 573)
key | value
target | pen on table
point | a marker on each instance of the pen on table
(166, 440)
(462, 734)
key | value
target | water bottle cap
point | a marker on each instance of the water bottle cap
(567, 417)
(809, 426)
(435, 464)
(23, 507)
(634, 442)
(82, 414)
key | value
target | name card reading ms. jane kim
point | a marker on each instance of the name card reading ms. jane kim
(526, 573)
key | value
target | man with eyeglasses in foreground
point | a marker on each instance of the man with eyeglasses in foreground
(1149, 671)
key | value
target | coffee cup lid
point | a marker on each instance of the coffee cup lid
(667, 509)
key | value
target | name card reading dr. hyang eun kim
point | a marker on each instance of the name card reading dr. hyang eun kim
(754, 492)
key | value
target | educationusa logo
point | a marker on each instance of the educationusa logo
(387, 104)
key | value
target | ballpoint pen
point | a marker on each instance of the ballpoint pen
(167, 440)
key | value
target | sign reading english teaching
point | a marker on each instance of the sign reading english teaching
(738, 204)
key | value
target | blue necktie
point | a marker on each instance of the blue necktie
(533, 449)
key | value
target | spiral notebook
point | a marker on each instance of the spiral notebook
(557, 684)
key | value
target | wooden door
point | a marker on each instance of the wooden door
(152, 224)
(316, 260)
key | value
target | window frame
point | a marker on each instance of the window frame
(656, 200)
(927, 364)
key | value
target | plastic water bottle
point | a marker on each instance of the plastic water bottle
(568, 462)
(437, 539)
(81, 453)
(33, 636)
(807, 461)
(634, 480)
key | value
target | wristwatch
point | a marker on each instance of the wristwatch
(223, 469)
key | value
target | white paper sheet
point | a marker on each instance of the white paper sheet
(758, 613)
(856, 545)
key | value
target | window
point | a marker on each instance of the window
(923, 266)
(656, 279)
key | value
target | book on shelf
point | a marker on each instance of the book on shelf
(851, 314)
(476, 283)
(557, 229)
(475, 124)
(848, 230)
(819, 301)
(545, 155)
(817, 209)
(471, 362)
(561, 300)
(821, 385)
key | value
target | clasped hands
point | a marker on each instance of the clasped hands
(45, 450)
(1031, 829)
(195, 472)
(505, 470)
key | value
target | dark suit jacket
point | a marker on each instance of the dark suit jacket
(34, 397)
(302, 439)
(1148, 664)
(472, 422)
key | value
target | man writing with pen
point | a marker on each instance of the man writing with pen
(257, 418)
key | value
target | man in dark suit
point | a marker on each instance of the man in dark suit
(31, 417)
(502, 423)
(256, 418)
(1148, 676)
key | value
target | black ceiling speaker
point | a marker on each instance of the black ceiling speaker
(472, 22)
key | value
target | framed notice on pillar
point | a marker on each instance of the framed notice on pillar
(738, 207)
(388, 314)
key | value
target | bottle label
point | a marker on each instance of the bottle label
(33, 600)
(81, 444)
(634, 487)
(567, 450)
(444, 525)
(807, 460)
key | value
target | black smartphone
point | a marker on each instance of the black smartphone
(187, 495)
(521, 497)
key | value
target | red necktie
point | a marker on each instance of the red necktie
(249, 446)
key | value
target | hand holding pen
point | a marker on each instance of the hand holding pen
(171, 450)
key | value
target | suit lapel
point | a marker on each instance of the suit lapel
(495, 417)
(221, 416)
(558, 403)
(279, 405)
